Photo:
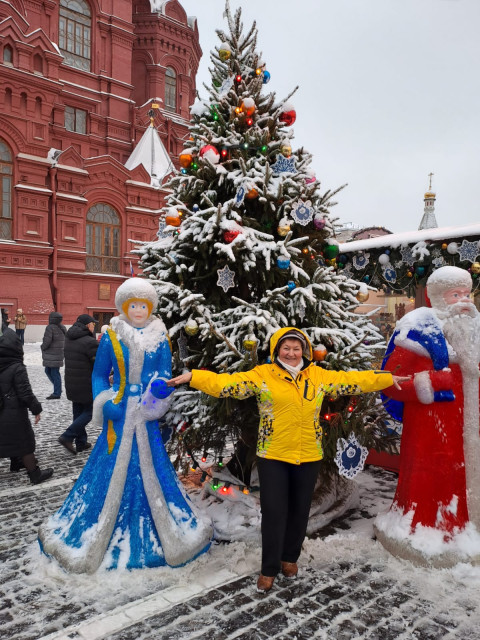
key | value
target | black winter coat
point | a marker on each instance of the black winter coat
(80, 350)
(16, 433)
(53, 341)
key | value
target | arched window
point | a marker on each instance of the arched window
(75, 32)
(170, 89)
(103, 239)
(7, 54)
(6, 171)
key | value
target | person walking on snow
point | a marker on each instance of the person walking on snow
(289, 393)
(80, 351)
(17, 439)
(20, 321)
(53, 352)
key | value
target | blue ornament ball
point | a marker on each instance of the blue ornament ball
(387, 251)
(366, 279)
(283, 263)
(291, 285)
(195, 208)
(266, 77)
(420, 270)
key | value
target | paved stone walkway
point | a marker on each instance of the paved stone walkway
(349, 587)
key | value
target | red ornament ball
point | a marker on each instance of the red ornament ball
(288, 117)
(211, 153)
(229, 236)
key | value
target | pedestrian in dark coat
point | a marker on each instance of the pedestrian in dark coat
(80, 350)
(17, 440)
(52, 352)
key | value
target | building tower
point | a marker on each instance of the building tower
(428, 219)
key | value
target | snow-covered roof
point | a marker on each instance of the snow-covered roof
(410, 237)
(152, 154)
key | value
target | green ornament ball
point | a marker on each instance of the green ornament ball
(331, 251)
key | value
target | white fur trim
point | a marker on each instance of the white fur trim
(135, 288)
(423, 387)
(98, 404)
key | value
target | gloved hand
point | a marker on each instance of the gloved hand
(159, 389)
(112, 411)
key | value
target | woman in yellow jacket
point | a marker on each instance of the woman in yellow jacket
(289, 393)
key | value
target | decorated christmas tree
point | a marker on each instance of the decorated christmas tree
(247, 246)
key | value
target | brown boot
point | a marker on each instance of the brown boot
(264, 583)
(289, 569)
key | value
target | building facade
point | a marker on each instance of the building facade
(79, 80)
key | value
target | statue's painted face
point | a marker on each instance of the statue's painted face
(138, 312)
(457, 294)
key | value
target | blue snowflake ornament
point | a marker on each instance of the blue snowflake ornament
(360, 261)
(284, 165)
(469, 251)
(161, 234)
(389, 273)
(351, 456)
(226, 278)
(303, 212)
(240, 195)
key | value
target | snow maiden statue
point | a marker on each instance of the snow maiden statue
(128, 508)
(435, 516)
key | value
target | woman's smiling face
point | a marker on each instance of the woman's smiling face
(290, 351)
(138, 312)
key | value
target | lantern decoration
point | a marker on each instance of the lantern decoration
(331, 251)
(248, 106)
(173, 221)
(283, 263)
(319, 353)
(283, 229)
(286, 149)
(288, 115)
(185, 160)
(224, 53)
(319, 223)
(210, 153)
(191, 328)
(230, 235)
(291, 285)
(475, 268)
(250, 343)
(251, 194)
(266, 77)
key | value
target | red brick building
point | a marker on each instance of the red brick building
(78, 81)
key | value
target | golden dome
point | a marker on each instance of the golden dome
(429, 195)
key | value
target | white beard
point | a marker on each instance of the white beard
(462, 330)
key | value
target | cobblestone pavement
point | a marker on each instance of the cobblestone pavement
(348, 587)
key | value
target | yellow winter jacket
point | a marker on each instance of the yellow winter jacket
(289, 428)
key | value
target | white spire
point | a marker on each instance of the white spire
(428, 219)
(152, 154)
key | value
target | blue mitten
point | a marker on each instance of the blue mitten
(113, 411)
(160, 389)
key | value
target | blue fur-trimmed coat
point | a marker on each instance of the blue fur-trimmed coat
(128, 508)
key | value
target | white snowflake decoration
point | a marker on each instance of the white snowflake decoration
(161, 230)
(284, 165)
(351, 456)
(227, 84)
(468, 251)
(407, 256)
(226, 278)
(360, 260)
(301, 311)
(303, 212)
(438, 262)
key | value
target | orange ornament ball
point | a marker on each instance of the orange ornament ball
(319, 353)
(186, 160)
(252, 194)
(173, 221)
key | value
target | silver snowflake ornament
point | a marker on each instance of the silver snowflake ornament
(226, 278)
(438, 262)
(407, 256)
(303, 212)
(284, 165)
(469, 251)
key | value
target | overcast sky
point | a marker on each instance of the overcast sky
(388, 92)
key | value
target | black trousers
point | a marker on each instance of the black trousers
(286, 492)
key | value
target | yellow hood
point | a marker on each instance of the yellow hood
(281, 332)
